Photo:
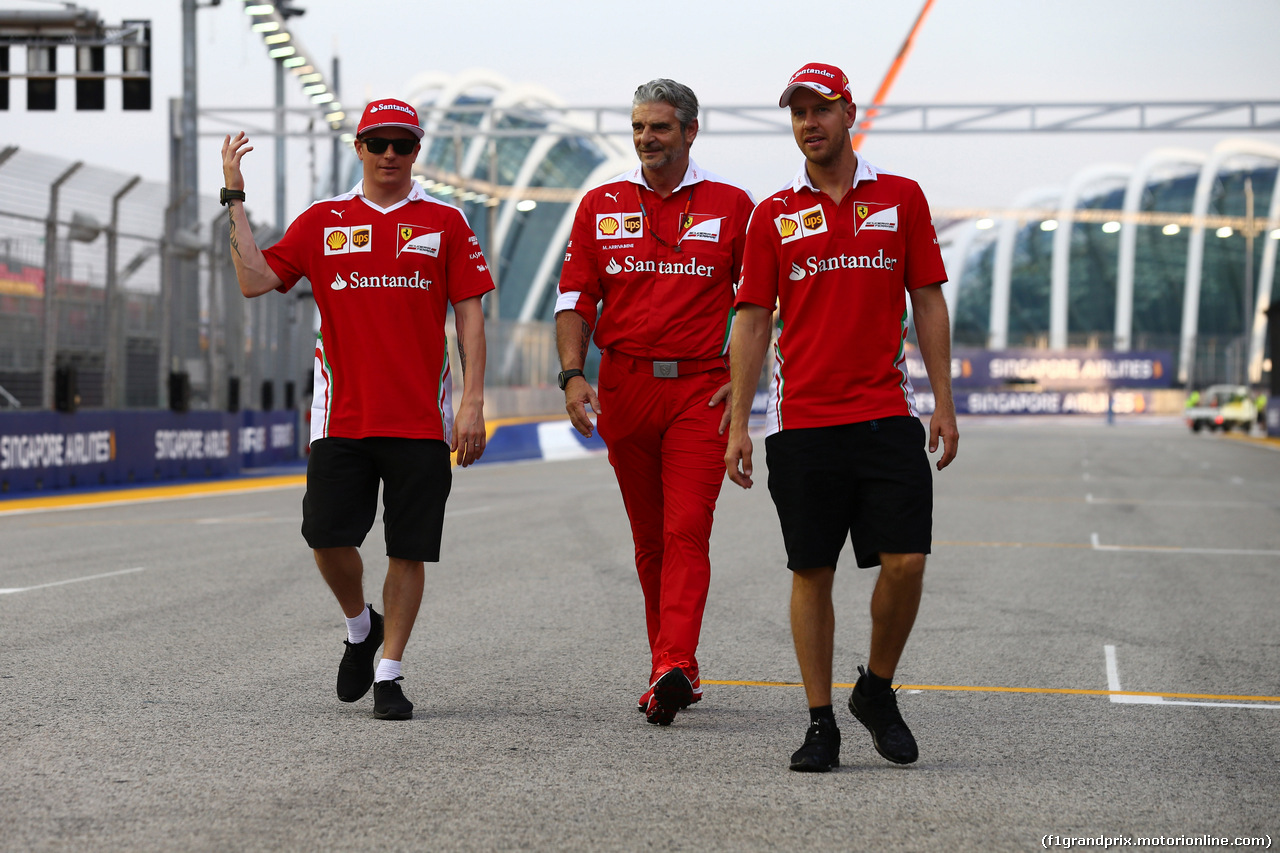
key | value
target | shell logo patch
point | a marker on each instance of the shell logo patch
(610, 226)
(416, 238)
(870, 216)
(343, 241)
(607, 225)
(806, 223)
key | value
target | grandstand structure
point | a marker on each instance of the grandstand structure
(1150, 256)
(1176, 252)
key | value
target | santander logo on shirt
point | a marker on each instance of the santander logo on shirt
(355, 280)
(814, 265)
(630, 264)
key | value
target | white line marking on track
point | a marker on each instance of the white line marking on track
(1175, 549)
(1113, 683)
(471, 510)
(1089, 498)
(72, 580)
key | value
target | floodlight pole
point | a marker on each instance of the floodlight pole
(280, 145)
(1248, 281)
(50, 354)
(334, 179)
(112, 386)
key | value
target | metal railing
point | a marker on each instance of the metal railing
(102, 300)
(138, 310)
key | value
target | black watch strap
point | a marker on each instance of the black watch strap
(566, 375)
(226, 196)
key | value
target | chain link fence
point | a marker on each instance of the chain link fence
(106, 303)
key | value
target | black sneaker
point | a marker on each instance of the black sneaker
(389, 702)
(821, 750)
(671, 692)
(355, 673)
(880, 715)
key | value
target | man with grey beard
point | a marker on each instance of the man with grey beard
(661, 247)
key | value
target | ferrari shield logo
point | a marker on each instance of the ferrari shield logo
(416, 238)
(873, 216)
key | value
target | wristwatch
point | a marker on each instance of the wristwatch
(226, 196)
(565, 375)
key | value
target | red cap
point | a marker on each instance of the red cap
(827, 80)
(389, 112)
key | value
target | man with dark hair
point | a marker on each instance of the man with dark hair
(385, 262)
(839, 251)
(661, 247)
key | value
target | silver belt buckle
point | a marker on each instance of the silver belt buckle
(666, 369)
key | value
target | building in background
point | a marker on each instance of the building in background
(1116, 260)
(516, 163)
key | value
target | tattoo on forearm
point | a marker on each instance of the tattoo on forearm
(462, 357)
(235, 244)
(586, 339)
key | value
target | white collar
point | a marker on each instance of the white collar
(416, 193)
(692, 175)
(864, 172)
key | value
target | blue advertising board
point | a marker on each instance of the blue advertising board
(53, 450)
(1003, 402)
(1056, 369)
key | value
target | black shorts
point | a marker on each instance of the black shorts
(342, 494)
(869, 481)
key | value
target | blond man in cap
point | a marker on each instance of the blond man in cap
(839, 252)
(385, 261)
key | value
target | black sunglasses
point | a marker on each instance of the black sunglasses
(378, 145)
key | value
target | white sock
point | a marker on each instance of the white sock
(388, 670)
(358, 628)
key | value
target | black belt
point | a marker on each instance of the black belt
(667, 369)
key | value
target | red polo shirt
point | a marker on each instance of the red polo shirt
(659, 302)
(383, 280)
(839, 276)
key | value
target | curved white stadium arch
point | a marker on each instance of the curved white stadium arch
(1222, 152)
(1002, 268)
(1061, 263)
(1129, 233)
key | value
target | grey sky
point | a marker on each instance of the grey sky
(731, 53)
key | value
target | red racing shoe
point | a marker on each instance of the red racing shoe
(643, 703)
(668, 695)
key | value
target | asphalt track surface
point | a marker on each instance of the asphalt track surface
(1097, 654)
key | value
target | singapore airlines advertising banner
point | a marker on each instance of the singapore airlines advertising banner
(50, 450)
